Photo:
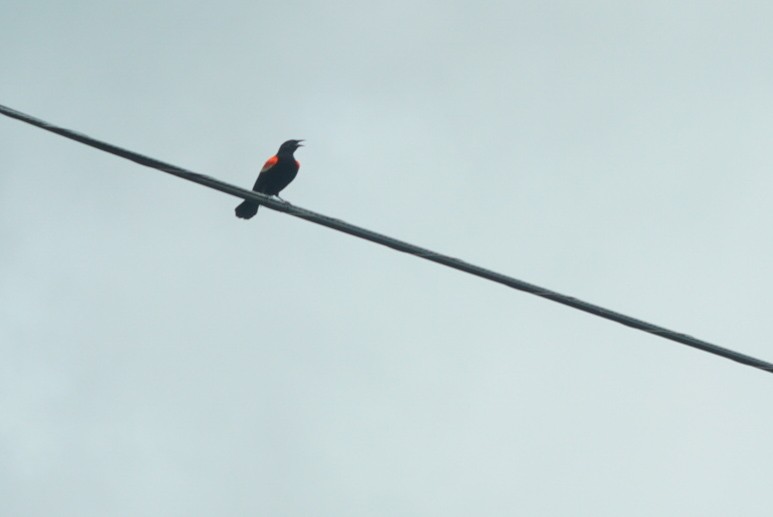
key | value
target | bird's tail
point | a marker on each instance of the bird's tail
(246, 209)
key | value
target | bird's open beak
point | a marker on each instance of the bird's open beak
(299, 142)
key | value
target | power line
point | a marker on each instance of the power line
(396, 244)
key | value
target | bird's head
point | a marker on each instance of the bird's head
(290, 146)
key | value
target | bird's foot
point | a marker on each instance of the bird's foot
(282, 200)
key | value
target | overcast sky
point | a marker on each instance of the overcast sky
(162, 358)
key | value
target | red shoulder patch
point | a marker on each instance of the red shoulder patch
(298, 163)
(269, 163)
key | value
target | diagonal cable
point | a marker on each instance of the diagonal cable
(396, 244)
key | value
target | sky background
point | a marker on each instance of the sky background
(162, 358)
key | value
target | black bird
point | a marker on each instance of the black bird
(275, 175)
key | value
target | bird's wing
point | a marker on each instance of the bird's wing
(269, 163)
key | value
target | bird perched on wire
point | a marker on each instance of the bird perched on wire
(276, 174)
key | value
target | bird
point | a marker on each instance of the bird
(276, 174)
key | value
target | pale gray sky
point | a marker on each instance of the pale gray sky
(162, 358)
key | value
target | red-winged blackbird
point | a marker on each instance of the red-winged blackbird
(275, 175)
